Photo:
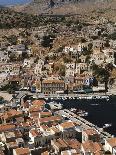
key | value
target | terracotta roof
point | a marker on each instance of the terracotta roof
(91, 132)
(35, 133)
(53, 81)
(44, 127)
(18, 134)
(70, 152)
(74, 144)
(25, 124)
(112, 142)
(67, 125)
(49, 119)
(6, 127)
(60, 143)
(90, 146)
(34, 114)
(11, 113)
(13, 144)
(34, 109)
(38, 102)
(55, 129)
(45, 153)
(22, 151)
(26, 104)
(45, 114)
(1, 152)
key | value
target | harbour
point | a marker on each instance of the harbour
(100, 112)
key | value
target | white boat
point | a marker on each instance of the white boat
(94, 104)
(107, 125)
(89, 97)
(73, 110)
(107, 98)
(84, 114)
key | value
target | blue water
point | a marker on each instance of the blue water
(100, 112)
(13, 2)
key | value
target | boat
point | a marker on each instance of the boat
(89, 97)
(108, 98)
(84, 114)
(107, 125)
(94, 104)
(62, 98)
(73, 110)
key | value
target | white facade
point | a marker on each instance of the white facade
(3, 77)
(98, 58)
(28, 62)
(109, 147)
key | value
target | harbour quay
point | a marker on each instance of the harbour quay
(83, 122)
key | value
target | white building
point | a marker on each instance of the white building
(28, 62)
(110, 145)
(3, 77)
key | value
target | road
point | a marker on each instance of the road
(66, 96)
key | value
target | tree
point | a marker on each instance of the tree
(90, 46)
(47, 41)
(12, 39)
(107, 43)
(62, 70)
(112, 36)
(66, 59)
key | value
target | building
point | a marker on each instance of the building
(21, 151)
(52, 86)
(59, 145)
(110, 145)
(90, 134)
(67, 129)
(91, 148)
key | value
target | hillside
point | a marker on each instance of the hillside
(11, 19)
(90, 8)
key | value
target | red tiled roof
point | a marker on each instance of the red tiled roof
(22, 151)
(38, 102)
(49, 119)
(6, 127)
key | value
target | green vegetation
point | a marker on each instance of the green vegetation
(11, 19)
(112, 36)
(12, 39)
(47, 41)
(10, 88)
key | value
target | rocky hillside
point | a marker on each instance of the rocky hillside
(10, 19)
(90, 8)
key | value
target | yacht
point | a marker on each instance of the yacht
(107, 125)
(94, 104)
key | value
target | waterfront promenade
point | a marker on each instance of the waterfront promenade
(65, 96)
(75, 96)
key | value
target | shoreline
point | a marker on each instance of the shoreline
(76, 96)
